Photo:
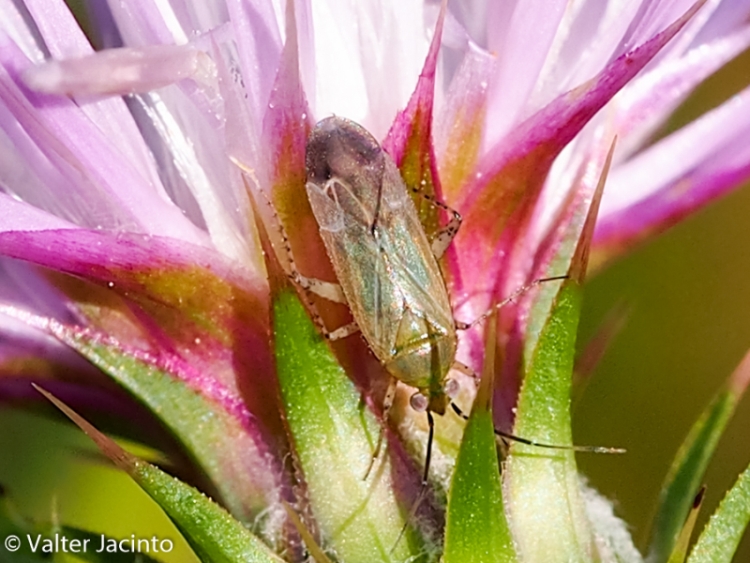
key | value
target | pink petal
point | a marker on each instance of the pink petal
(419, 107)
(520, 35)
(287, 119)
(460, 122)
(510, 177)
(677, 175)
(410, 143)
(178, 295)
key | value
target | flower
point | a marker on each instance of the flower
(149, 217)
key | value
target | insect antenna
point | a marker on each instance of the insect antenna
(505, 436)
(512, 297)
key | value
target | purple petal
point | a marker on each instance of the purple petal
(63, 38)
(119, 71)
(17, 215)
(651, 97)
(257, 32)
(14, 23)
(23, 285)
(104, 32)
(109, 191)
(146, 22)
(20, 340)
(727, 16)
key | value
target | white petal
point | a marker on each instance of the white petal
(368, 56)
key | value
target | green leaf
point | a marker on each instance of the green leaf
(334, 436)
(680, 551)
(212, 436)
(476, 530)
(724, 530)
(690, 463)
(543, 495)
(215, 536)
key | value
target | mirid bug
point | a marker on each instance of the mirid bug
(388, 271)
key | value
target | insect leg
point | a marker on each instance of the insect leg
(390, 394)
(327, 290)
(512, 297)
(330, 291)
(505, 436)
(442, 240)
(425, 475)
(466, 370)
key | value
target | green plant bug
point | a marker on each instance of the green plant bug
(386, 268)
(388, 272)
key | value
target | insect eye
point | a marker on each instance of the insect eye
(418, 402)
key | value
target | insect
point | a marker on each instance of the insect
(388, 272)
(387, 269)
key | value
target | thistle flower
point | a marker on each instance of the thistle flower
(143, 234)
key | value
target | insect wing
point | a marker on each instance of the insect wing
(359, 262)
(381, 255)
(414, 269)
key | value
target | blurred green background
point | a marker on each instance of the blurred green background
(688, 293)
